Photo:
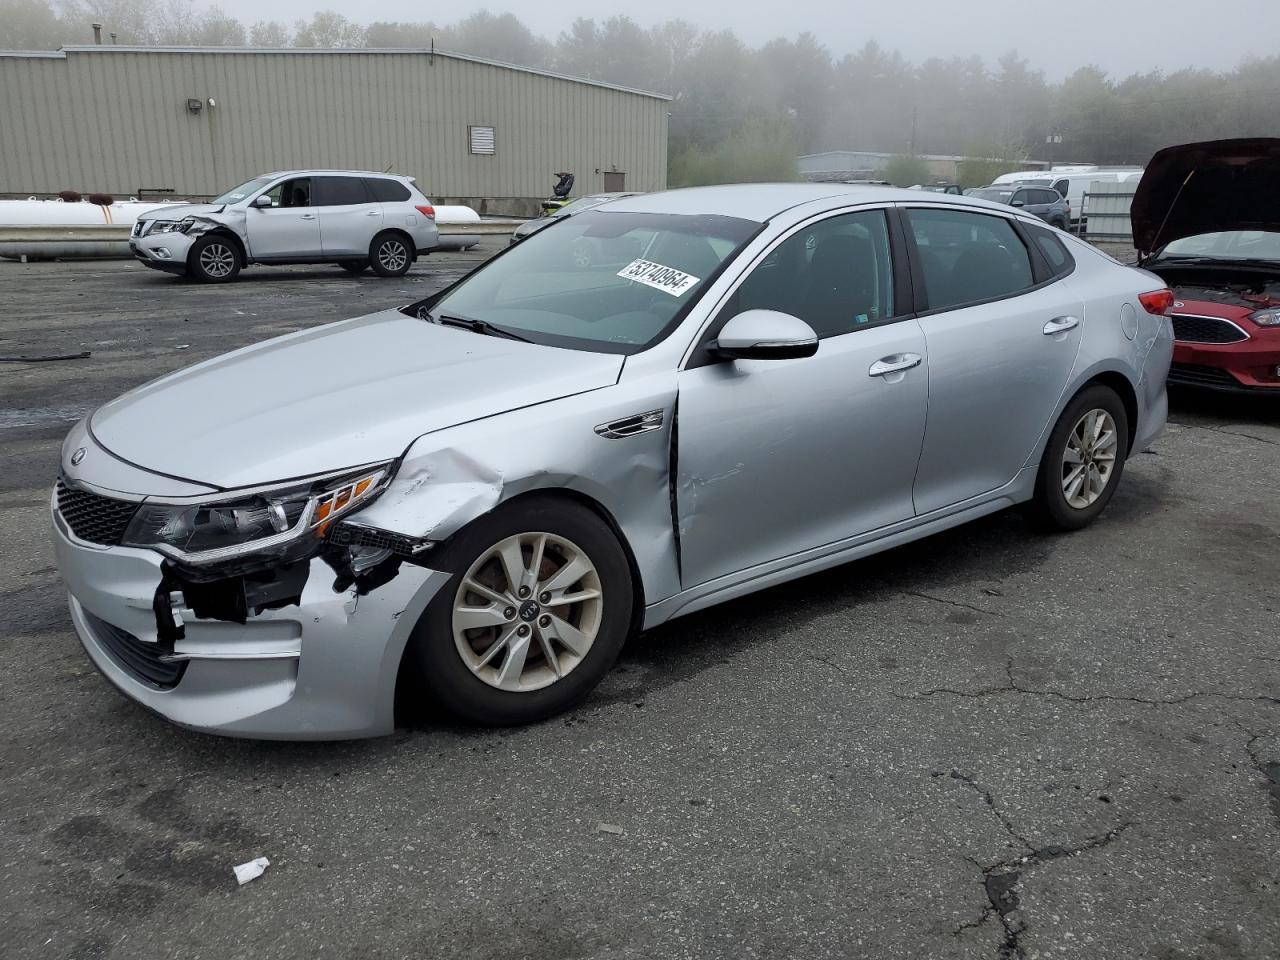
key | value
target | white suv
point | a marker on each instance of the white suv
(352, 218)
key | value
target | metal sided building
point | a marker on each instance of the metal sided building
(197, 121)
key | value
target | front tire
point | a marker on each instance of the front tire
(534, 615)
(213, 259)
(390, 254)
(1082, 462)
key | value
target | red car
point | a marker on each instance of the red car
(1206, 219)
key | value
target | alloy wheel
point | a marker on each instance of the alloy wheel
(1089, 458)
(217, 260)
(527, 611)
(392, 255)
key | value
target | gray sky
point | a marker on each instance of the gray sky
(1121, 36)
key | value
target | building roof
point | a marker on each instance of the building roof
(109, 49)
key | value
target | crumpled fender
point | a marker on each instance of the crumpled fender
(453, 476)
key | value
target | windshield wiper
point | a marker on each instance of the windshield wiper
(475, 326)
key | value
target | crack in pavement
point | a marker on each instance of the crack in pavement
(1013, 687)
(953, 603)
(1000, 882)
(989, 800)
(1231, 433)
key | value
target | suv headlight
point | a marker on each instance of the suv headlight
(171, 226)
(275, 518)
(1266, 318)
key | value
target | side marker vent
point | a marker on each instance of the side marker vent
(631, 426)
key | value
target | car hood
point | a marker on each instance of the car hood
(333, 397)
(177, 211)
(1207, 187)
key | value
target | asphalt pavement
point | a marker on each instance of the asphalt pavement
(988, 744)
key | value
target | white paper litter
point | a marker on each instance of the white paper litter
(251, 870)
(610, 828)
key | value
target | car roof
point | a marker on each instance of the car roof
(763, 201)
(349, 173)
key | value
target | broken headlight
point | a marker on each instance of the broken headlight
(1266, 318)
(171, 226)
(213, 531)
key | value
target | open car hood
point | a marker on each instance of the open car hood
(1207, 187)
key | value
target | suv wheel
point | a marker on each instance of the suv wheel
(213, 259)
(534, 615)
(1082, 462)
(389, 254)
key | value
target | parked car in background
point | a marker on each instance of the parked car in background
(952, 188)
(1206, 219)
(1044, 202)
(353, 218)
(568, 210)
(495, 486)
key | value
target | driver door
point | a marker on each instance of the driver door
(776, 457)
(287, 229)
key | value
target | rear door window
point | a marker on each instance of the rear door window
(968, 257)
(386, 191)
(340, 191)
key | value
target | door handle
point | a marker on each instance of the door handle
(373, 213)
(1060, 325)
(307, 216)
(894, 364)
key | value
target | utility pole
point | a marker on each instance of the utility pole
(915, 114)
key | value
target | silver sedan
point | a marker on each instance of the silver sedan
(484, 493)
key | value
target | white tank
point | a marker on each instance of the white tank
(57, 213)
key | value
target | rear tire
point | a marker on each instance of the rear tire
(390, 254)
(213, 259)
(354, 266)
(497, 653)
(1082, 462)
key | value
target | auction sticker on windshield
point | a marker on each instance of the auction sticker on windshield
(667, 279)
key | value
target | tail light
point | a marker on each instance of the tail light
(1157, 302)
(426, 210)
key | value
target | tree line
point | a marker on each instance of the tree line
(744, 113)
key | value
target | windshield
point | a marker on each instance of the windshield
(1231, 245)
(995, 195)
(247, 189)
(604, 281)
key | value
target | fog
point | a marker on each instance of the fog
(1120, 36)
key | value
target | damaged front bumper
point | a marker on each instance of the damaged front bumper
(323, 667)
(163, 251)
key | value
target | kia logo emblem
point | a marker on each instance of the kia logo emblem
(78, 456)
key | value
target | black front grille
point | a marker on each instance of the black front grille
(1197, 375)
(1206, 330)
(138, 658)
(93, 517)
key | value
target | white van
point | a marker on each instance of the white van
(1074, 186)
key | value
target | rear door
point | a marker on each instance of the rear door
(776, 457)
(289, 228)
(349, 216)
(1002, 332)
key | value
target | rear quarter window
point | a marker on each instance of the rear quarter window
(1054, 250)
(387, 191)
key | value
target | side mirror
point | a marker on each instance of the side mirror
(261, 200)
(765, 335)
(1017, 203)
